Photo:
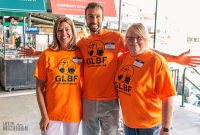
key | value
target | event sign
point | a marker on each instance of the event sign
(77, 7)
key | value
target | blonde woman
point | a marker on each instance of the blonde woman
(145, 87)
(58, 89)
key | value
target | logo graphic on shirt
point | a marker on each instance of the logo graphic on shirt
(66, 66)
(96, 51)
(125, 74)
(67, 69)
(96, 48)
(122, 79)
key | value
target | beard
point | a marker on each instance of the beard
(94, 29)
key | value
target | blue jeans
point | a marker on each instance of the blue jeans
(142, 131)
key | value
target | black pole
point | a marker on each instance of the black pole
(155, 24)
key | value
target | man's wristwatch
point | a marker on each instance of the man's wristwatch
(166, 129)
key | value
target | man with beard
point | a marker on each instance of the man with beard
(100, 53)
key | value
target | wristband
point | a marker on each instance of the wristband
(166, 129)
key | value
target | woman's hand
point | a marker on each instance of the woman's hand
(44, 124)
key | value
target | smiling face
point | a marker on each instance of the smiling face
(64, 34)
(136, 39)
(94, 19)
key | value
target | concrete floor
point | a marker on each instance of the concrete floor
(19, 108)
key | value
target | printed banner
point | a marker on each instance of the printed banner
(77, 7)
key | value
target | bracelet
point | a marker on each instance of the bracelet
(166, 129)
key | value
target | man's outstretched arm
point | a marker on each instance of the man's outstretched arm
(182, 59)
(28, 51)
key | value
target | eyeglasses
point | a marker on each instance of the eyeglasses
(138, 38)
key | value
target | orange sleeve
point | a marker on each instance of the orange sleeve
(120, 59)
(79, 43)
(164, 83)
(40, 71)
(79, 54)
(121, 44)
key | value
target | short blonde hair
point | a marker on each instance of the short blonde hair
(140, 30)
(55, 44)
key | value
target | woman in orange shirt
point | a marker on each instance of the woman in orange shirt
(58, 89)
(145, 87)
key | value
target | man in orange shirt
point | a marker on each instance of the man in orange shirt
(100, 52)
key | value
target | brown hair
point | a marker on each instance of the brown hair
(93, 5)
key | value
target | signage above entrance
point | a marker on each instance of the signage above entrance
(77, 7)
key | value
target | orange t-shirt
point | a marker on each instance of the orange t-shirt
(61, 71)
(100, 54)
(142, 82)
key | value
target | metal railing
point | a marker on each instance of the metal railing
(185, 78)
(175, 76)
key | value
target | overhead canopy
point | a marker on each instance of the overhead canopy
(23, 5)
(16, 14)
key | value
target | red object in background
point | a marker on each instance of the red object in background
(77, 7)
